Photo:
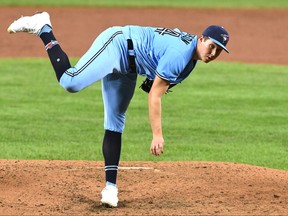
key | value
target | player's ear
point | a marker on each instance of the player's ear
(201, 38)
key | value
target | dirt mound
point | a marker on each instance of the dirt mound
(162, 188)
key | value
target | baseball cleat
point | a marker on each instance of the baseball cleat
(30, 24)
(109, 197)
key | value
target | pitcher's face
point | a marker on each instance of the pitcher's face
(208, 50)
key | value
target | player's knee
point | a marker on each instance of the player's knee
(71, 88)
(114, 122)
(71, 91)
(71, 84)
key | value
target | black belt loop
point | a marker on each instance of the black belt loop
(131, 56)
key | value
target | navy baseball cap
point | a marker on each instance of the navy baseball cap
(218, 35)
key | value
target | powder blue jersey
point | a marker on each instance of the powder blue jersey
(162, 51)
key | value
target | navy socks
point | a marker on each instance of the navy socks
(111, 151)
(57, 56)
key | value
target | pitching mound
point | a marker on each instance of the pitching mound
(163, 188)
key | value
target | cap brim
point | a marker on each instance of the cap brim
(219, 44)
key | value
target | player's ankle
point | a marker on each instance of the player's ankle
(110, 184)
(46, 29)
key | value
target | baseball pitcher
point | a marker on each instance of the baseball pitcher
(165, 57)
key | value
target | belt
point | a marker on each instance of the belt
(131, 56)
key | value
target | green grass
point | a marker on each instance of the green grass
(222, 112)
(154, 3)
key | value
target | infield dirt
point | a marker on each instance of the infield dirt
(147, 188)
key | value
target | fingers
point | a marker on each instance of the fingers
(157, 149)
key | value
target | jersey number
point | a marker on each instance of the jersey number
(163, 31)
(186, 38)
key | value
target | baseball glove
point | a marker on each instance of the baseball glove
(147, 84)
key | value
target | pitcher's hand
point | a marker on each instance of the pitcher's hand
(157, 146)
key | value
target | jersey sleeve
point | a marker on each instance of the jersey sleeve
(170, 65)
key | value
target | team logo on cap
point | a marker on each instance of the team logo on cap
(225, 38)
